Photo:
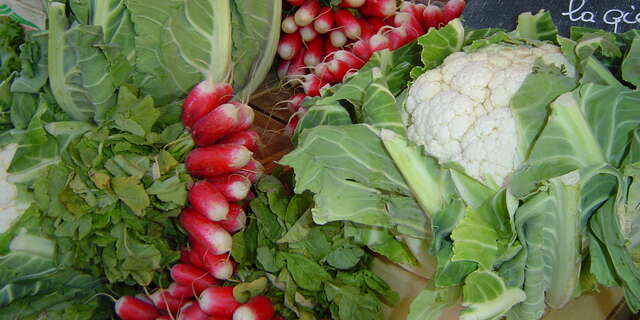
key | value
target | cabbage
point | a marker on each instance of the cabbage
(566, 221)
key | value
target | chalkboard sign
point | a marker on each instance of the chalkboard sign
(610, 15)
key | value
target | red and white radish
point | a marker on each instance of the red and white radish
(313, 54)
(253, 170)
(307, 12)
(216, 124)
(295, 2)
(179, 291)
(203, 98)
(208, 201)
(191, 311)
(297, 69)
(220, 266)
(247, 138)
(218, 159)
(295, 101)
(362, 49)
(351, 3)
(205, 232)
(432, 17)
(378, 8)
(234, 187)
(236, 220)
(257, 308)
(338, 68)
(283, 69)
(322, 71)
(192, 277)
(349, 24)
(349, 58)
(324, 21)
(312, 85)
(289, 25)
(397, 38)
(184, 255)
(144, 298)
(290, 128)
(308, 33)
(246, 115)
(452, 9)
(130, 308)
(218, 301)
(289, 45)
(338, 38)
(376, 23)
(366, 30)
(165, 302)
(378, 42)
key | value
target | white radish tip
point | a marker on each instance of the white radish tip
(221, 240)
(224, 271)
(217, 212)
(244, 313)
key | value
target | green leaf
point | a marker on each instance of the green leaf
(451, 273)
(131, 192)
(345, 257)
(536, 27)
(437, 44)
(631, 64)
(379, 105)
(307, 274)
(324, 114)
(475, 239)
(487, 297)
(431, 302)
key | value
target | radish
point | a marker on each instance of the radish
(205, 232)
(236, 219)
(366, 30)
(247, 138)
(283, 69)
(295, 101)
(289, 25)
(130, 308)
(218, 301)
(349, 58)
(258, 308)
(308, 33)
(432, 17)
(322, 71)
(412, 26)
(253, 170)
(192, 277)
(234, 187)
(203, 98)
(219, 266)
(397, 38)
(312, 85)
(144, 298)
(297, 69)
(290, 128)
(375, 23)
(378, 42)
(165, 302)
(313, 54)
(348, 23)
(324, 22)
(338, 68)
(351, 3)
(208, 201)
(338, 38)
(246, 115)
(307, 12)
(192, 311)
(295, 2)
(215, 125)
(216, 160)
(452, 9)
(289, 45)
(184, 255)
(165, 317)
(179, 291)
(362, 49)
(328, 47)
(378, 8)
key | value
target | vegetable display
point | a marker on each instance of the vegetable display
(503, 163)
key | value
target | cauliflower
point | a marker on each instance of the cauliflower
(460, 111)
(10, 208)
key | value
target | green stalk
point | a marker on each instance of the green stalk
(221, 44)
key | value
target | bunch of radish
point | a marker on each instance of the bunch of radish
(223, 160)
(323, 45)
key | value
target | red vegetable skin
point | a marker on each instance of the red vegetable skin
(203, 98)
(283, 69)
(130, 308)
(324, 21)
(349, 24)
(216, 124)
(295, 2)
(289, 25)
(452, 9)
(218, 301)
(351, 3)
(192, 277)
(376, 23)
(205, 232)
(366, 30)
(349, 58)
(322, 71)
(191, 311)
(179, 291)
(246, 115)
(308, 33)
(184, 255)
(290, 128)
(220, 266)
(312, 85)
(432, 17)
(307, 12)
(297, 69)
(236, 220)
(378, 42)
(289, 45)
(165, 317)
(208, 201)
(258, 308)
(207, 162)
(362, 49)
(378, 8)
(247, 138)
(165, 302)
(253, 170)
(397, 38)
(338, 38)
(329, 48)
(313, 54)
(295, 101)
(411, 25)
(338, 68)
(234, 187)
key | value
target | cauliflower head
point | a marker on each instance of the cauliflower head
(461, 111)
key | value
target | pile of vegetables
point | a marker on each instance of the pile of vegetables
(93, 112)
(324, 45)
(504, 164)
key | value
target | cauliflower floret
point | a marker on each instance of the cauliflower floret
(461, 112)
(10, 209)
